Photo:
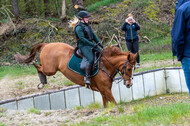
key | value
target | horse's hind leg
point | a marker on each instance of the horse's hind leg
(42, 76)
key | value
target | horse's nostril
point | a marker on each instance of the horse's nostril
(128, 85)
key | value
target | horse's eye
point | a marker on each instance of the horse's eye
(129, 69)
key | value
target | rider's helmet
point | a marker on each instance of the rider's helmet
(83, 14)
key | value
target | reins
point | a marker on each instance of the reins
(102, 68)
(122, 72)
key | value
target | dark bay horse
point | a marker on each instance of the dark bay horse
(55, 56)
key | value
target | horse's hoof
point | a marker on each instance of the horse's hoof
(40, 86)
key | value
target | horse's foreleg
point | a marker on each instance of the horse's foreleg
(110, 97)
(107, 97)
(104, 100)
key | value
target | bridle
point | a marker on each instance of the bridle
(122, 72)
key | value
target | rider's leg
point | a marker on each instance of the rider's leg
(88, 70)
(88, 54)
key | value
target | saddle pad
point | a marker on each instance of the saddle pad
(74, 65)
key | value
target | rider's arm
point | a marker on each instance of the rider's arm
(82, 39)
(97, 40)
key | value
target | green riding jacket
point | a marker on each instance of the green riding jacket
(82, 36)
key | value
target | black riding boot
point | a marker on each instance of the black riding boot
(88, 73)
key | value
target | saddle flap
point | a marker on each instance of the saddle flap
(78, 53)
(74, 65)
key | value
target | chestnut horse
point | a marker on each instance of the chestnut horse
(55, 56)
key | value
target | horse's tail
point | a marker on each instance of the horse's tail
(29, 58)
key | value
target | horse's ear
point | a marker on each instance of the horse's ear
(128, 57)
(136, 54)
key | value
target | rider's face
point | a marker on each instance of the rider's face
(86, 20)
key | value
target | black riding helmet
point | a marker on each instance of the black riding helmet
(83, 14)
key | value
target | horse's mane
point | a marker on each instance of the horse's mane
(113, 51)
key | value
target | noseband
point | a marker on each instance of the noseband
(124, 72)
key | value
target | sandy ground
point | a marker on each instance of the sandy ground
(17, 87)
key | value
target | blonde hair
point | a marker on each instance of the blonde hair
(73, 22)
(130, 15)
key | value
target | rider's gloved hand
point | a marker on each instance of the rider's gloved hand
(94, 46)
(101, 45)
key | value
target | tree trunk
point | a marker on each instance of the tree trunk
(27, 7)
(77, 2)
(15, 8)
(63, 16)
(46, 4)
(57, 8)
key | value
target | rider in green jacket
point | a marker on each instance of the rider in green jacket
(85, 37)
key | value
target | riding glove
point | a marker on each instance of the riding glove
(101, 45)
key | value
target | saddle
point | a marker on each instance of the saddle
(97, 55)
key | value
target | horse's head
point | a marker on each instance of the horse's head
(128, 68)
(123, 62)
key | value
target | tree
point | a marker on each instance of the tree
(15, 8)
(63, 16)
(46, 4)
(30, 7)
(78, 4)
(27, 7)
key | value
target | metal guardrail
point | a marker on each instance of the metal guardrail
(160, 80)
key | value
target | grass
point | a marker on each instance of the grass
(157, 45)
(140, 3)
(33, 110)
(156, 56)
(98, 4)
(161, 114)
(94, 106)
(177, 113)
(2, 124)
(16, 70)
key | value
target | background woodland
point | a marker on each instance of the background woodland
(24, 23)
